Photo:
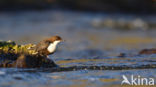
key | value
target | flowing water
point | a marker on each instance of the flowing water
(90, 53)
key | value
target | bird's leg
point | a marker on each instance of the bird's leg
(48, 57)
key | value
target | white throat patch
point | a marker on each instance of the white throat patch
(52, 46)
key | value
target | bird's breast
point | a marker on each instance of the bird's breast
(51, 48)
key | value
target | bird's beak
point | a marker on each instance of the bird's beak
(63, 40)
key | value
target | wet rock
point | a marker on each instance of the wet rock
(33, 61)
(147, 51)
(25, 61)
(142, 52)
(122, 55)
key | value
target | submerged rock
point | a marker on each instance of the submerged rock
(147, 51)
(22, 56)
(142, 52)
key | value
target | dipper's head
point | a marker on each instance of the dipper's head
(54, 39)
(48, 46)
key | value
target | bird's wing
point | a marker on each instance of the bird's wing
(42, 45)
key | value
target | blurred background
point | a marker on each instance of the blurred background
(93, 29)
(86, 25)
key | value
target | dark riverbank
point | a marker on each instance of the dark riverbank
(126, 6)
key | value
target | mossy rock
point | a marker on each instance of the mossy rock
(12, 47)
(22, 56)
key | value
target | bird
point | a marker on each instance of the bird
(48, 46)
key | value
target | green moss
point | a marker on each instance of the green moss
(12, 47)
